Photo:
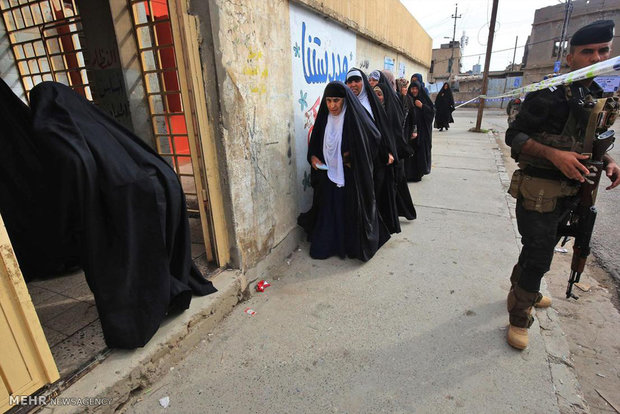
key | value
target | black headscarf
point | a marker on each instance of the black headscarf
(396, 118)
(364, 140)
(388, 141)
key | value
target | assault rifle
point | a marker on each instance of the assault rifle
(583, 214)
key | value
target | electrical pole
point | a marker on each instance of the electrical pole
(512, 69)
(451, 61)
(487, 63)
(567, 13)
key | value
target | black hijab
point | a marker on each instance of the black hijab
(396, 118)
(445, 95)
(363, 141)
(388, 140)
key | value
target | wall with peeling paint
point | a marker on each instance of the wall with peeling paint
(252, 65)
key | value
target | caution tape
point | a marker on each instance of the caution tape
(601, 68)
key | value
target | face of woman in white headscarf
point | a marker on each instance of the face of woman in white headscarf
(334, 105)
(379, 94)
(356, 84)
(373, 82)
(403, 90)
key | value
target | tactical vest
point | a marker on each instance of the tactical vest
(587, 115)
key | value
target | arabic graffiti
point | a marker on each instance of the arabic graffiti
(103, 58)
(317, 70)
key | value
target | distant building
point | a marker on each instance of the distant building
(441, 67)
(476, 69)
(544, 42)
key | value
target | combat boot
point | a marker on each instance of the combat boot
(517, 337)
(542, 301)
(519, 305)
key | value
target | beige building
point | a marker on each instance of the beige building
(544, 42)
(446, 62)
(222, 91)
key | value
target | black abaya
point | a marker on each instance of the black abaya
(120, 209)
(420, 164)
(444, 106)
(361, 232)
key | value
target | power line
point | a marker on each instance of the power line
(501, 50)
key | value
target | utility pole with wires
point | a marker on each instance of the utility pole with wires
(487, 63)
(568, 11)
(512, 69)
(451, 61)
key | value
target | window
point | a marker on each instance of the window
(556, 48)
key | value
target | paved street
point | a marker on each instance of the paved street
(418, 329)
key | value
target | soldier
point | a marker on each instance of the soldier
(547, 139)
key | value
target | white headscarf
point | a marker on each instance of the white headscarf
(363, 97)
(332, 142)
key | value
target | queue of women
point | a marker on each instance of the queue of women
(371, 137)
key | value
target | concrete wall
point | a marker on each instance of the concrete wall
(387, 22)
(246, 52)
(371, 56)
(547, 28)
(251, 62)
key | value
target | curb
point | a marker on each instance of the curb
(126, 373)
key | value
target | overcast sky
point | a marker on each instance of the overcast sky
(514, 18)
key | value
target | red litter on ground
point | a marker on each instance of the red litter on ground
(250, 312)
(260, 286)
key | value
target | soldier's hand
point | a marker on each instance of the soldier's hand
(569, 163)
(613, 172)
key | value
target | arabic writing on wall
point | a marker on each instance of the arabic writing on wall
(317, 70)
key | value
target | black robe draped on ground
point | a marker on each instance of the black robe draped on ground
(385, 182)
(396, 115)
(360, 233)
(420, 164)
(444, 106)
(121, 207)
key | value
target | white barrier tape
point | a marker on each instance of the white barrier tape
(601, 68)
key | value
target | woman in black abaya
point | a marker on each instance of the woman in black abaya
(444, 105)
(343, 220)
(419, 129)
(393, 109)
